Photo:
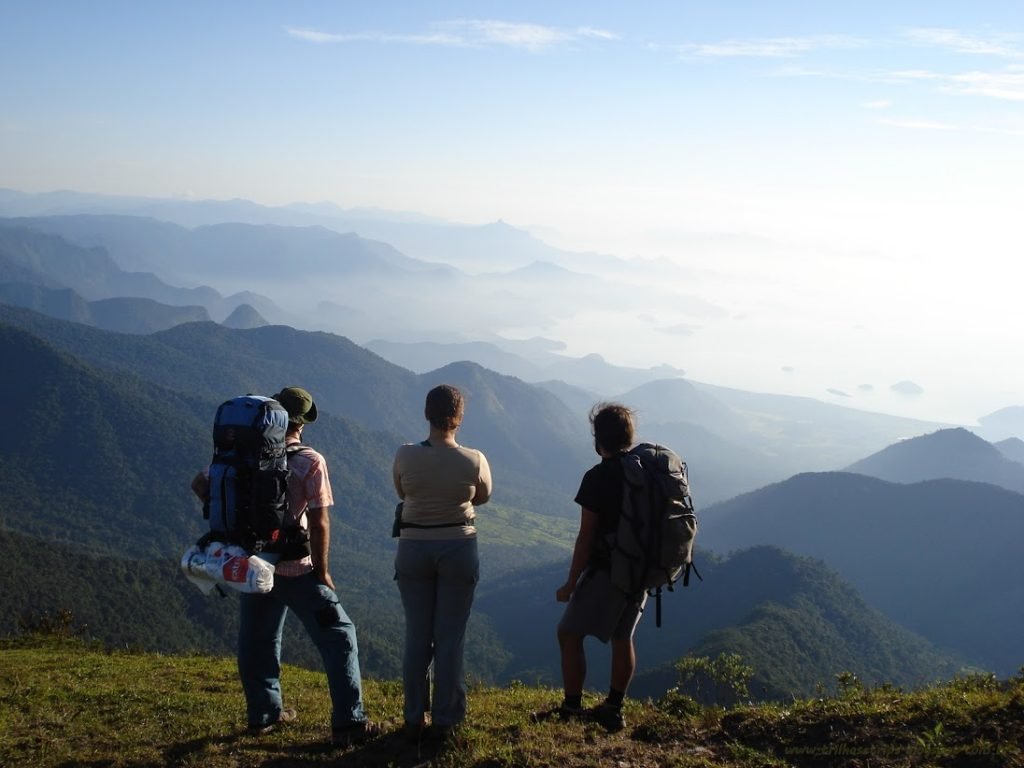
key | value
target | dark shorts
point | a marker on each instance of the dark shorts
(599, 609)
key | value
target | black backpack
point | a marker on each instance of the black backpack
(653, 544)
(248, 498)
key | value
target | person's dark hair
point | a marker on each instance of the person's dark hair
(612, 425)
(445, 407)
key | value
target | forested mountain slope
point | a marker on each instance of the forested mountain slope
(539, 442)
(940, 557)
(792, 618)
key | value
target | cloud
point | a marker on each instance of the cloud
(1006, 84)
(769, 47)
(1003, 45)
(919, 125)
(680, 329)
(879, 104)
(532, 37)
(601, 34)
(466, 33)
(314, 36)
(912, 124)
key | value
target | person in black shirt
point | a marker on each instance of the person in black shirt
(595, 607)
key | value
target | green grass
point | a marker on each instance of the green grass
(65, 703)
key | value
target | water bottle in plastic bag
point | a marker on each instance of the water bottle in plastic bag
(231, 565)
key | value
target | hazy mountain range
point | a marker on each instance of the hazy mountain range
(380, 289)
(107, 320)
(734, 441)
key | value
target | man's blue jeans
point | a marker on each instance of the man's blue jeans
(437, 580)
(259, 648)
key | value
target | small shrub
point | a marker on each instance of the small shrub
(676, 703)
(850, 686)
(723, 680)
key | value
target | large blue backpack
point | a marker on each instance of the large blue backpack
(248, 498)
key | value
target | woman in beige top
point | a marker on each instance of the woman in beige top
(440, 483)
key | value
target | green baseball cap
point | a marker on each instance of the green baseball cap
(299, 404)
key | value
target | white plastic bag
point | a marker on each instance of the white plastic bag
(231, 565)
(193, 565)
(221, 563)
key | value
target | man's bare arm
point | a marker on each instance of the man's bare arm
(320, 542)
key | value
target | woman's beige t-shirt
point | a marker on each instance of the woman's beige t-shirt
(440, 485)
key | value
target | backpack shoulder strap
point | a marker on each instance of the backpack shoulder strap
(292, 448)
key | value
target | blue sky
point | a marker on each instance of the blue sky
(873, 148)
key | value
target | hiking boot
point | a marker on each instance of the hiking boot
(568, 712)
(564, 712)
(413, 733)
(447, 735)
(357, 733)
(608, 716)
(285, 717)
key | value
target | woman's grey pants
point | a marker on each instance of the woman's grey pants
(436, 580)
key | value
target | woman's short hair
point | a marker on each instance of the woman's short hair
(612, 425)
(445, 407)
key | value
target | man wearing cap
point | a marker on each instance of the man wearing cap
(302, 584)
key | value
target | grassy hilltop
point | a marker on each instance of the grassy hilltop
(66, 703)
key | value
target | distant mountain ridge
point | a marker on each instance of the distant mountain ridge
(29, 256)
(121, 314)
(1012, 448)
(1004, 423)
(948, 453)
(245, 316)
(590, 370)
(506, 247)
(304, 261)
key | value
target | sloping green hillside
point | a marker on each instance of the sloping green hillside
(100, 460)
(63, 704)
(793, 618)
(940, 557)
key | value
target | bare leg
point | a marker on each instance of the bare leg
(574, 663)
(623, 663)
